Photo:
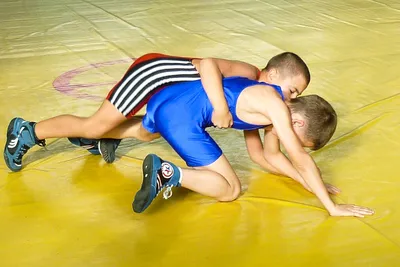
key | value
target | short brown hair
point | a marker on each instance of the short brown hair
(289, 63)
(321, 118)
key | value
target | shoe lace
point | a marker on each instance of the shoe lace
(167, 192)
(22, 151)
(41, 143)
(168, 188)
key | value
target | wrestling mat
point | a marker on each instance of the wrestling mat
(69, 208)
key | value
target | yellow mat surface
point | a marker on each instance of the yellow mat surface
(69, 208)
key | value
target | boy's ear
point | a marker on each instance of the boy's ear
(297, 122)
(273, 74)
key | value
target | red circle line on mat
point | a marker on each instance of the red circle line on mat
(63, 82)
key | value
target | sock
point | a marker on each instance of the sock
(180, 176)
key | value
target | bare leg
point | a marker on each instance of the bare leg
(131, 128)
(105, 119)
(217, 180)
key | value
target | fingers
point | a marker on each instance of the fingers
(332, 189)
(352, 210)
(359, 211)
(363, 210)
(355, 214)
(222, 121)
(223, 125)
(335, 191)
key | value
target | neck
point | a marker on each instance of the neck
(263, 77)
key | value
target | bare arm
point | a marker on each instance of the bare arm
(276, 158)
(271, 158)
(279, 115)
(255, 150)
(270, 104)
(211, 71)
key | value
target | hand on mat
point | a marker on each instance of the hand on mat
(332, 189)
(222, 119)
(350, 210)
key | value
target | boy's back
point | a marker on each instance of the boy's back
(181, 107)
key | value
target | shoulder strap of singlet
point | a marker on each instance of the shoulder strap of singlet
(277, 88)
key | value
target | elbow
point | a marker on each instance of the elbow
(208, 66)
(255, 158)
(269, 157)
(206, 62)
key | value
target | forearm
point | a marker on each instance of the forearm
(260, 160)
(308, 170)
(283, 166)
(211, 79)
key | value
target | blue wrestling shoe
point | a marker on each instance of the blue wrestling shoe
(157, 174)
(90, 144)
(20, 138)
(107, 147)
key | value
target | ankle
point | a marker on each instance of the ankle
(40, 142)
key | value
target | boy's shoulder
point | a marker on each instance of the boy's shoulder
(264, 100)
(264, 91)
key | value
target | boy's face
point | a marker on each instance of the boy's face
(292, 86)
(302, 137)
(299, 128)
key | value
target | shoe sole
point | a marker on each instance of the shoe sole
(9, 130)
(142, 198)
(107, 151)
(92, 150)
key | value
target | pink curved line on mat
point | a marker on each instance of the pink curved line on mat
(63, 82)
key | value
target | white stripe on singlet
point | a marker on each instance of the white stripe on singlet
(122, 91)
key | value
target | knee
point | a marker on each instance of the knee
(148, 137)
(232, 194)
(145, 135)
(94, 131)
(94, 134)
